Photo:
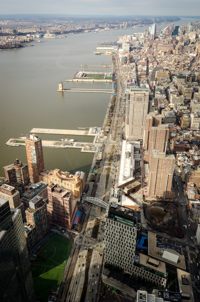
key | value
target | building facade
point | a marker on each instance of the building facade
(155, 136)
(137, 107)
(16, 278)
(161, 170)
(61, 206)
(16, 173)
(152, 31)
(11, 194)
(36, 219)
(35, 159)
(120, 238)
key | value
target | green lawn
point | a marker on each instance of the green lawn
(48, 268)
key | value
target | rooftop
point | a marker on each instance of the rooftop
(33, 138)
(34, 190)
(185, 285)
(164, 254)
(123, 214)
(170, 256)
(137, 88)
(152, 263)
(36, 202)
(8, 188)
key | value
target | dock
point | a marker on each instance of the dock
(84, 146)
(82, 80)
(92, 131)
(64, 143)
(80, 90)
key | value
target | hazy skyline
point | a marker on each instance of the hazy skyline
(102, 7)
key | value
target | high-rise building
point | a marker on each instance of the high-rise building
(121, 250)
(36, 217)
(120, 238)
(161, 170)
(35, 159)
(176, 30)
(32, 190)
(11, 194)
(75, 183)
(152, 31)
(16, 173)
(15, 278)
(61, 206)
(137, 106)
(155, 136)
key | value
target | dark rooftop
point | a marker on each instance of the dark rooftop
(34, 190)
(128, 215)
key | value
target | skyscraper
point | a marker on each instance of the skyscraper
(61, 206)
(152, 31)
(15, 278)
(161, 169)
(35, 157)
(16, 173)
(36, 217)
(120, 238)
(155, 136)
(137, 106)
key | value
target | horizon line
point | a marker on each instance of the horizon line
(95, 15)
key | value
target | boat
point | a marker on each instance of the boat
(97, 53)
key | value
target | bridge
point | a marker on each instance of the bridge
(96, 201)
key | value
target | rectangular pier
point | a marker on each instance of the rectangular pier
(88, 80)
(84, 90)
(84, 146)
(93, 131)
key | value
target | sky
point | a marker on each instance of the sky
(102, 7)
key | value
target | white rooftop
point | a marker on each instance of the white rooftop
(126, 163)
(170, 256)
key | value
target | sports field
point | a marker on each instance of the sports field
(48, 268)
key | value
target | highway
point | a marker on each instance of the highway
(111, 157)
(86, 245)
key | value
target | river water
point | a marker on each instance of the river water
(28, 97)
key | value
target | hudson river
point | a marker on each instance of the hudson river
(28, 97)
